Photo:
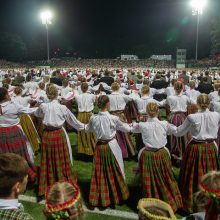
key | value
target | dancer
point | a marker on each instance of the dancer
(56, 156)
(85, 102)
(157, 178)
(201, 153)
(108, 178)
(13, 139)
(117, 105)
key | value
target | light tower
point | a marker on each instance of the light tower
(46, 17)
(197, 10)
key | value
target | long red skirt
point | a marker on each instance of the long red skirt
(198, 160)
(157, 178)
(12, 140)
(55, 160)
(107, 185)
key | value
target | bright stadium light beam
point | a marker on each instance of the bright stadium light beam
(198, 6)
(46, 18)
(197, 10)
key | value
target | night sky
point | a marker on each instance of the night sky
(108, 28)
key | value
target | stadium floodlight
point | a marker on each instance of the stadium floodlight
(46, 18)
(197, 10)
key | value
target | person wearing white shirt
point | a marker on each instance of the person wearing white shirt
(30, 85)
(12, 136)
(56, 156)
(108, 177)
(193, 95)
(178, 108)
(154, 155)
(214, 95)
(201, 155)
(117, 106)
(26, 121)
(85, 102)
(170, 89)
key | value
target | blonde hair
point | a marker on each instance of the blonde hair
(203, 101)
(192, 84)
(41, 85)
(61, 193)
(51, 92)
(115, 86)
(152, 109)
(145, 90)
(178, 86)
(84, 87)
(18, 90)
(46, 79)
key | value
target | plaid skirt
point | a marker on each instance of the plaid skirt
(12, 140)
(157, 178)
(107, 185)
(192, 109)
(55, 160)
(30, 131)
(86, 140)
(198, 160)
(178, 144)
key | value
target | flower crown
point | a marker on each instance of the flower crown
(63, 210)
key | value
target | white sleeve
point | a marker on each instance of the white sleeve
(71, 119)
(122, 126)
(21, 109)
(135, 128)
(184, 128)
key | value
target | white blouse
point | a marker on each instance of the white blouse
(143, 102)
(105, 125)
(54, 114)
(11, 112)
(21, 100)
(154, 132)
(85, 102)
(203, 125)
(178, 103)
(118, 101)
(216, 106)
(193, 95)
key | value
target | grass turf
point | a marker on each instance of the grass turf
(36, 211)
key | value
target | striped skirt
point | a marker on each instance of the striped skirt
(107, 185)
(86, 140)
(178, 144)
(192, 109)
(12, 140)
(124, 139)
(30, 131)
(198, 160)
(157, 178)
(55, 160)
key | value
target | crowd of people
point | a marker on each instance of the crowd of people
(36, 113)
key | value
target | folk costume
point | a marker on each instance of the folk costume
(56, 158)
(108, 178)
(13, 139)
(156, 174)
(201, 155)
(86, 140)
(117, 107)
(178, 108)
